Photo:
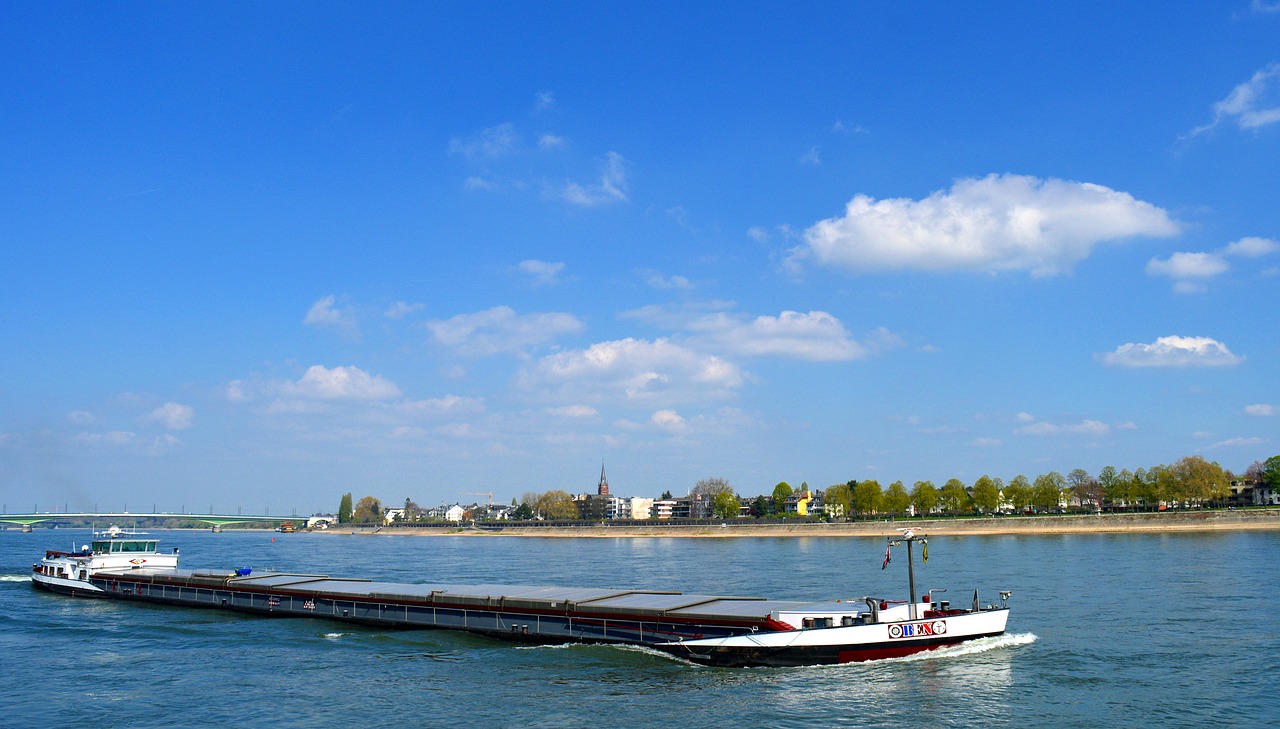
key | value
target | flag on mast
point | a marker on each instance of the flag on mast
(886, 558)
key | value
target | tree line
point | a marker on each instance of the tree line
(1192, 480)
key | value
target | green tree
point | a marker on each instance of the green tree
(896, 498)
(986, 496)
(1108, 479)
(839, 499)
(867, 496)
(1271, 472)
(556, 505)
(368, 511)
(726, 505)
(954, 497)
(760, 507)
(523, 512)
(1018, 492)
(1046, 492)
(924, 496)
(781, 493)
(1201, 480)
(344, 509)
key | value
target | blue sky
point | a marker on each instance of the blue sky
(256, 256)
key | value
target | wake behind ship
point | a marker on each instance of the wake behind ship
(705, 629)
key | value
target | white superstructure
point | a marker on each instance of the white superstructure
(111, 551)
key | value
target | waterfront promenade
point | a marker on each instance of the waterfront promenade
(1171, 521)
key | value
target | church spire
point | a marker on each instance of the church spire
(603, 489)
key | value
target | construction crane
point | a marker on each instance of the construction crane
(486, 494)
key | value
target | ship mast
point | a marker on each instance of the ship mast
(909, 536)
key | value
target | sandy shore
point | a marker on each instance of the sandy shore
(1183, 521)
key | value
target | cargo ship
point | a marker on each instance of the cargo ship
(704, 629)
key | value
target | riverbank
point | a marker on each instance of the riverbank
(1176, 521)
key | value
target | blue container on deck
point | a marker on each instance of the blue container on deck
(244, 571)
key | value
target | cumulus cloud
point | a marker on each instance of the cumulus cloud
(1188, 270)
(669, 420)
(633, 370)
(1252, 247)
(996, 223)
(174, 416)
(1251, 105)
(501, 330)
(611, 188)
(1261, 410)
(544, 273)
(816, 336)
(340, 383)
(544, 100)
(1187, 265)
(323, 313)
(1172, 352)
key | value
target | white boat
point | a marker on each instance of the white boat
(111, 551)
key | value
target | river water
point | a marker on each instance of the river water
(1105, 630)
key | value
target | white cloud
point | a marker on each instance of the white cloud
(812, 157)
(112, 438)
(633, 370)
(815, 336)
(236, 392)
(1261, 410)
(1236, 442)
(81, 418)
(340, 383)
(1188, 268)
(611, 188)
(1188, 265)
(550, 141)
(401, 309)
(544, 273)
(574, 411)
(658, 281)
(500, 330)
(486, 144)
(1084, 427)
(447, 405)
(1025, 417)
(1251, 105)
(1252, 247)
(544, 100)
(669, 420)
(996, 223)
(842, 127)
(1172, 352)
(323, 313)
(174, 416)
(985, 442)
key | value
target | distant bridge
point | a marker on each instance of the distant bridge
(211, 519)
